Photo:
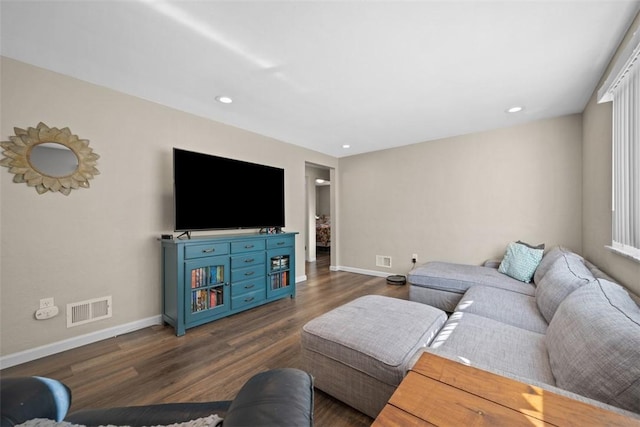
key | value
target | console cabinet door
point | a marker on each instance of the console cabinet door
(206, 286)
(280, 277)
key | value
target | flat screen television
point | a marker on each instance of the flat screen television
(215, 193)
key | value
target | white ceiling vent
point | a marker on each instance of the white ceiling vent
(383, 261)
(79, 313)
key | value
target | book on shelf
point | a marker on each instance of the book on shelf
(280, 280)
(216, 296)
(209, 275)
(213, 298)
(198, 300)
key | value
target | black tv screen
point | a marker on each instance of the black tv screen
(211, 192)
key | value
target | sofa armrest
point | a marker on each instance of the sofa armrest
(26, 398)
(282, 397)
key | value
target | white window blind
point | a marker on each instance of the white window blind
(623, 89)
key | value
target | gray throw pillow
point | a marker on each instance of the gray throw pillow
(540, 246)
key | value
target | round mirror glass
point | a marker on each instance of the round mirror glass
(53, 159)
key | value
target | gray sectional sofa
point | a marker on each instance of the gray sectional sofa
(572, 328)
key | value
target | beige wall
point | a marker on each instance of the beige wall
(463, 199)
(102, 241)
(323, 205)
(597, 189)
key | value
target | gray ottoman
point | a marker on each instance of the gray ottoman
(360, 352)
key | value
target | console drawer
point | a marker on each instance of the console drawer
(238, 275)
(247, 299)
(247, 246)
(250, 259)
(283, 242)
(205, 249)
(247, 286)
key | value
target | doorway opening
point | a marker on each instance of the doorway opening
(320, 227)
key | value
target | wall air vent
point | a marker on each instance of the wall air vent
(79, 313)
(383, 261)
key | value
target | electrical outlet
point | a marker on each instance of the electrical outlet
(414, 258)
(46, 302)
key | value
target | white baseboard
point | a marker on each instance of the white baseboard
(301, 278)
(71, 343)
(361, 271)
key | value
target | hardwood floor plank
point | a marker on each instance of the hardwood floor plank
(212, 361)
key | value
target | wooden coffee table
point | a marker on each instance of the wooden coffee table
(442, 392)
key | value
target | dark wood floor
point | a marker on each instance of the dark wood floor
(210, 362)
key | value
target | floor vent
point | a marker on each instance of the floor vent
(383, 261)
(79, 313)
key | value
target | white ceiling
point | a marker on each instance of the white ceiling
(320, 74)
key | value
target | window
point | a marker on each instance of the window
(623, 89)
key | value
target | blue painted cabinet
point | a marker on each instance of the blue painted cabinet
(208, 278)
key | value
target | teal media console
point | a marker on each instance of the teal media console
(208, 278)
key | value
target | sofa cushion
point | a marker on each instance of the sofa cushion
(452, 277)
(565, 275)
(547, 261)
(484, 342)
(512, 308)
(520, 261)
(594, 344)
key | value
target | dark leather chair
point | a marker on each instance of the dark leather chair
(278, 397)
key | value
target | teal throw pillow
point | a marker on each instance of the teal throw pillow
(520, 261)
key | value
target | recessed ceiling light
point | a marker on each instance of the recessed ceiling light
(319, 180)
(514, 109)
(224, 99)
(346, 146)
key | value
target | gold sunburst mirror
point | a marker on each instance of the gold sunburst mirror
(49, 159)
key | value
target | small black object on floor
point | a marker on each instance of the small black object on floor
(396, 279)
